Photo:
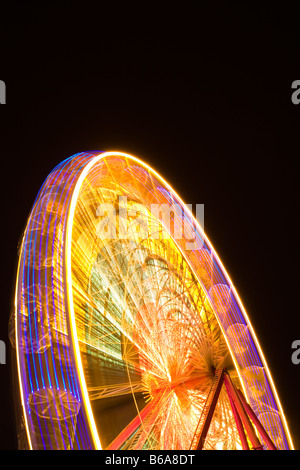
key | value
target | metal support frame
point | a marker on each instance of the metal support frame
(243, 414)
(246, 417)
(238, 421)
(256, 444)
(264, 435)
(208, 411)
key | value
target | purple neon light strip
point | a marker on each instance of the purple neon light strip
(30, 227)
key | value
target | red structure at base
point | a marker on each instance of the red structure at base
(245, 418)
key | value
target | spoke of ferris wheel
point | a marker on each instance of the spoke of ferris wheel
(148, 414)
(120, 328)
(115, 390)
(110, 353)
(151, 421)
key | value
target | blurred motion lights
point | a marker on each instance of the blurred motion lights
(127, 336)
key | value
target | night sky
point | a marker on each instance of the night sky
(201, 94)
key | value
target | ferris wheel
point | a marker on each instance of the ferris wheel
(127, 329)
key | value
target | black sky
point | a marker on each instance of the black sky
(203, 94)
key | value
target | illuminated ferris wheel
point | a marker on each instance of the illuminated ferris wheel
(128, 331)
